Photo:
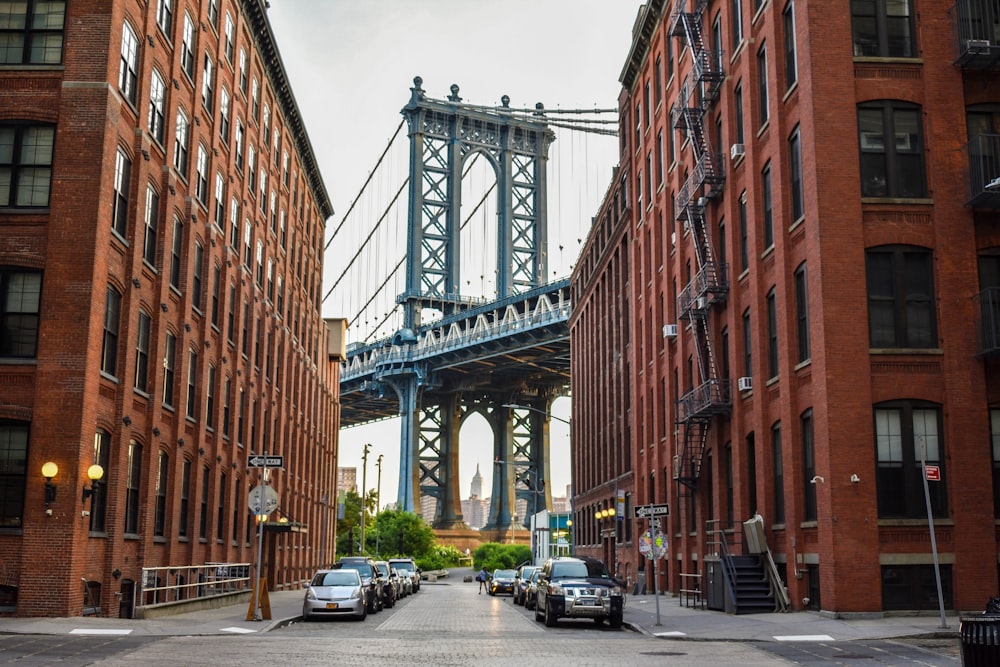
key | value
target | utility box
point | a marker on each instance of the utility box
(715, 585)
(336, 342)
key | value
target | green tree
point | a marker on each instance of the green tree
(400, 533)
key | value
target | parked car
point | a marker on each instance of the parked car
(501, 581)
(521, 582)
(407, 565)
(388, 589)
(405, 582)
(531, 590)
(578, 588)
(370, 577)
(333, 593)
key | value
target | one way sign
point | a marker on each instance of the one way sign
(647, 511)
(266, 462)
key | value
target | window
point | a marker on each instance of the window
(995, 451)
(802, 312)
(883, 28)
(231, 315)
(255, 100)
(791, 60)
(201, 175)
(169, 361)
(251, 168)
(187, 46)
(227, 398)
(129, 68)
(266, 124)
(262, 199)
(907, 435)
(893, 168)
(175, 254)
(13, 472)
(150, 224)
(142, 352)
(247, 243)
(192, 381)
(234, 222)
(210, 399)
(181, 144)
(736, 17)
(157, 100)
(185, 508)
(909, 587)
(230, 38)
(238, 483)
(20, 297)
(779, 474)
(165, 16)
(808, 466)
(219, 215)
(132, 488)
(207, 83)
(772, 334)
(245, 332)
(109, 349)
(224, 116)
(160, 511)
(243, 70)
(738, 111)
(901, 297)
(767, 204)
(220, 516)
(239, 145)
(280, 304)
(762, 96)
(197, 271)
(240, 414)
(213, 13)
(119, 203)
(747, 347)
(31, 32)
(270, 279)
(744, 238)
(25, 165)
(216, 286)
(795, 167)
(203, 509)
(285, 160)
(99, 500)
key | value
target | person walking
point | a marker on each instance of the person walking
(483, 577)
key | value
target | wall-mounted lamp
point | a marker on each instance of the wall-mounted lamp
(116, 573)
(94, 473)
(156, 430)
(127, 420)
(855, 479)
(817, 478)
(49, 470)
(180, 442)
(136, 282)
(606, 514)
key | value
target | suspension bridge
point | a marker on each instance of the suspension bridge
(456, 305)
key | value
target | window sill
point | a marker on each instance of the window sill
(884, 60)
(791, 90)
(903, 523)
(909, 201)
(927, 351)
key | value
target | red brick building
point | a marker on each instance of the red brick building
(813, 261)
(161, 244)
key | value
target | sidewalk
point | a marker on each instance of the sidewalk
(676, 622)
(680, 622)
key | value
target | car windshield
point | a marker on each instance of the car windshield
(364, 569)
(527, 572)
(403, 565)
(383, 569)
(503, 574)
(337, 578)
(579, 570)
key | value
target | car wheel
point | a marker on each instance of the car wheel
(550, 616)
(616, 620)
(364, 613)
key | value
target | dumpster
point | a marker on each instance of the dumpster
(980, 637)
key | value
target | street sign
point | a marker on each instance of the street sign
(262, 499)
(646, 511)
(653, 544)
(933, 473)
(266, 462)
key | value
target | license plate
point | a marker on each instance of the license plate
(331, 605)
(590, 602)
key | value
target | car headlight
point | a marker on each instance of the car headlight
(615, 591)
(356, 594)
(556, 589)
(310, 594)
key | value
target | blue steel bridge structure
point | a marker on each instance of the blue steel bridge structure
(452, 355)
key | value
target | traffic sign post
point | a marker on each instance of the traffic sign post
(266, 461)
(649, 511)
(653, 543)
(262, 500)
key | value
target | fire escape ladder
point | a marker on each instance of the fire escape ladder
(687, 464)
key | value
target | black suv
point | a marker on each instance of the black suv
(370, 577)
(578, 588)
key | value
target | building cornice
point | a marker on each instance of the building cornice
(642, 35)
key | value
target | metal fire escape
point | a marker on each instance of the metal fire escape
(710, 395)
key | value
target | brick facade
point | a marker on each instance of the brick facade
(250, 370)
(842, 551)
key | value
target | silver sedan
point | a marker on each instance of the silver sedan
(335, 593)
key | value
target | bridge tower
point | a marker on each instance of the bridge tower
(444, 136)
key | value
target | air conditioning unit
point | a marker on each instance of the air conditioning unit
(745, 383)
(701, 303)
(736, 151)
(670, 331)
(977, 44)
(677, 466)
(673, 238)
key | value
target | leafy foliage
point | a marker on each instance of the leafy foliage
(439, 557)
(494, 556)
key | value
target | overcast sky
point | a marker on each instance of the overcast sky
(351, 64)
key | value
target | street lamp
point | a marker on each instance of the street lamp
(378, 499)
(534, 409)
(364, 484)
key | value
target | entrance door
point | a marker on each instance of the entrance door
(126, 599)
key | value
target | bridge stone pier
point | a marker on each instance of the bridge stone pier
(505, 359)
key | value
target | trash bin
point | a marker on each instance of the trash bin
(980, 637)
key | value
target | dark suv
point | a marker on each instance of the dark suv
(578, 588)
(370, 577)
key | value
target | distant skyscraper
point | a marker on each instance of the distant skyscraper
(347, 480)
(477, 485)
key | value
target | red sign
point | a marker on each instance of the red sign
(933, 473)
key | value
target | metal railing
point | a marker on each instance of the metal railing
(977, 24)
(988, 314)
(184, 582)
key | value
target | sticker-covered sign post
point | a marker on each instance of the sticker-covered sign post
(653, 543)
(262, 500)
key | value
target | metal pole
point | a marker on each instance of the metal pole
(930, 524)
(378, 501)
(656, 565)
(260, 542)
(364, 483)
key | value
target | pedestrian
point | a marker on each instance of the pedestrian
(483, 577)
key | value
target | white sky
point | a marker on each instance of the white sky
(351, 64)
